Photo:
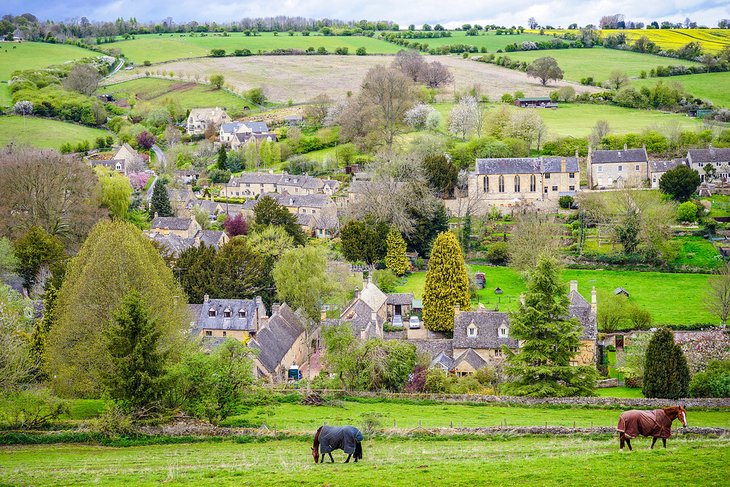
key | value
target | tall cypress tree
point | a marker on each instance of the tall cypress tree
(666, 374)
(160, 202)
(396, 259)
(39, 337)
(222, 158)
(548, 340)
(447, 284)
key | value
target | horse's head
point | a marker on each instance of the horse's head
(315, 454)
(315, 445)
(682, 416)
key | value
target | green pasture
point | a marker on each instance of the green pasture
(17, 56)
(44, 132)
(5, 97)
(598, 62)
(559, 461)
(157, 91)
(714, 87)
(621, 392)
(166, 47)
(488, 39)
(672, 299)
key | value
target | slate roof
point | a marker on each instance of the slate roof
(487, 323)
(308, 200)
(470, 357)
(581, 309)
(235, 322)
(171, 223)
(400, 298)
(255, 178)
(230, 127)
(211, 238)
(174, 243)
(664, 166)
(327, 222)
(709, 155)
(526, 165)
(276, 337)
(362, 316)
(373, 296)
(618, 156)
(443, 360)
(306, 220)
(257, 127)
(244, 137)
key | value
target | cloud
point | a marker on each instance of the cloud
(453, 13)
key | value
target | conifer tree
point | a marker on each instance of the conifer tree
(466, 233)
(396, 259)
(138, 362)
(548, 340)
(160, 202)
(39, 337)
(447, 284)
(222, 162)
(666, 374)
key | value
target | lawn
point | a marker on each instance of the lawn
(387, 461)
(35, 55)
(489, 39)
(697, 252)
(167, 47)
(5, 98)
(44, 132)
(157, 91)
(712, 40)
(670, 298)
(709, 86)
(630, 392)
(581, 63)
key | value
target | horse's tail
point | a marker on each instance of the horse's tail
(358, 450)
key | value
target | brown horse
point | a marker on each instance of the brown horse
(345, 438)
(657, 423)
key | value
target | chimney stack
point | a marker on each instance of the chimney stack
(522, 299)
(574, 286)
(357, 292)
(457, 309)
(275, 308)
(626, 146)
(563, 165)
(206, 298)
(594, 303)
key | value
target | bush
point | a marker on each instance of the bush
(714, 381)
(113, 422)
(498, 253)
(687, 212)
(437, 382)
(566, 202)
(386, 280)
(31, 409)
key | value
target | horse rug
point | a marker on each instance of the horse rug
(648, 423)
(339, 437)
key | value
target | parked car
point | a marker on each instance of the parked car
(414, 322)
(398, 321)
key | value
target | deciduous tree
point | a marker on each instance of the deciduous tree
(301, 280)
(269, 212)
(545, 69)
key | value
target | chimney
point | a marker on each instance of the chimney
(206, 298)
(573, 286)
(576, 153)
(594, 304)
(357, 292)
(156, 215)
(322, 314)
(563, 165)
(626, 146)
(275, 308)
(370, 278)
(457, 309)
(374, 317)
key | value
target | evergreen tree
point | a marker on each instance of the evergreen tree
(548, 340)
(666, 373)
(222, 162)
(396, 259)
(160, 203)
(39, 337)
(241, 272)
(195, 269)
(35, 251)
(269, 212)
(364, 240)
(447, 284)
(466, 233)
(138, 363)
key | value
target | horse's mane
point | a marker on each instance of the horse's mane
(316, 437)
(672, 411)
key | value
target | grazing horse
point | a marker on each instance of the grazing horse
(657, 423)
(345, 438)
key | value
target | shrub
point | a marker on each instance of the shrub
(361, 51)
(666, 374)
(687, 212)
(566, 202)
(113, 422)
(498, 253)
(714, 381)
(437, 381)
(30, 409)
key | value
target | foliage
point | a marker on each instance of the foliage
(565, 202)
(217, 80)
(687, 212)
(532, 236)
(39, 338)
(395, 258)
(114, 260)
(385, 279)
(615, 311)
(364, 240)
(160, 202)
(196, 271)
(116, 192)
(541, 366)
(545, 69)
(632, 361)
(145, 140)
(679, 183)
(36, 252)
(30, 409)
(702, 346)
(714, 381)
(16, 365)
(241, 272)
(441, 174)
(666, 373)
(498, 253)
(447, 284)
(269, 212)
(718, 294)
(236, 225)
(82, 78)
(437, 382)
(301, 280)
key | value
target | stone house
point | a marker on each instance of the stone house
(316, 213)
(228, 318)
(658, 168)
(612, 169)
(280, 342)
(367, 311)
(249, 185)
(179, 234)
(399, 304)
(200, 119)
(719, 159)
(240, 139)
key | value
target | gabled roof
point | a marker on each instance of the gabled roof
(257, 127)
(373, 296)
(171, 223)
(664, 166)
(211, 238)
(581, 309)
(255, 178)
(400, 298)
(277, 337)
(174, 243)
(618, 156)
(526, 165)
(230, 127)
(298, 200)
(444, 361)
(709, 155)
(470, 357)
(234, 322)
(487, 324)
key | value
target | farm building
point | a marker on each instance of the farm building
(538, 102)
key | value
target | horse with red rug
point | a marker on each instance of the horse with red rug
(656, 423)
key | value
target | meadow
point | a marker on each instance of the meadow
(44, 133)
(489, 40)
(571, 460)
(712, 40)
(188, 94)
(35, 55)
(672, 299)
(5, 97)
(707, 86)
(581, 63)
(168, 47)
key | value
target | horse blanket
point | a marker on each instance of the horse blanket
(339, 437)
(648, 423)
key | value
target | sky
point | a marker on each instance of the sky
(451, 13)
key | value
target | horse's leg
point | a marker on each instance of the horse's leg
(622, 440)
(628, 443)
(664, 442)
(348, 458)
(321, 459)
(330, 454)
(653, 441)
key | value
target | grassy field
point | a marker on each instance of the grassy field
(34, 55)
(157, 91)
(5, 97)
(580, 63)
(166, 47)
(708, 86)
(43, 132)
(670, 298)
(489, 39)
(515, 461)
(629, 392)
(712, 40)
(697, 252)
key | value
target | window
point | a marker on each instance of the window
(241, 313)
(227, 313)
(533, 183)
(620, 168)
(486, 184)
(571, 188)
(224, 333)
(547, 175)
(600, 168)
(517, 184)
(546, 189)
(211, 312)
(571, 175)
(503, 331)
(555, 188)
(471, 330)
(501, 184)
(497, 352)
(637, 167)
(208, 333)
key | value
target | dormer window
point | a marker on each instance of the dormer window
(211, 312)
(227, 313)
(241, 313)
(503, 332)
(471, 330)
